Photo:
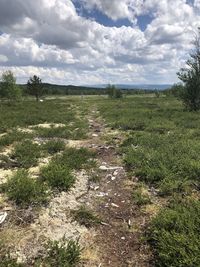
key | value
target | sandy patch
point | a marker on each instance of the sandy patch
(4, 174)
(48, 125)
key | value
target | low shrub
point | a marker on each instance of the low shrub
(52, 132)
(77, 158)
(63, 254)
(7, 261)
(26, 154)
(58, 176)
(24, 190)
(54, 146)
(174, 234)
(13, 136)
(85, 217)
(140, 195)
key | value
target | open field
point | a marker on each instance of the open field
(94, 181)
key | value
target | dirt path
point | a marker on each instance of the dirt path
(119, 236)
(117, 241)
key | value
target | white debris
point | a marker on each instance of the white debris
(114, 205)
(3, 216)
(105, 168)
(102, 194)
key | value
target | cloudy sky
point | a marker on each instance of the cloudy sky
(97, 41)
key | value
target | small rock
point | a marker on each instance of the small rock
(94, 135)
(114, 205)
(7, 208)
(102, 194)
(123, 238)
(115, 173)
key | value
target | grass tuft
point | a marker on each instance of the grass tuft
(85, 217)
(58, 176)
(63, 254)
(174, 234)
(24, 190)
(26, 154)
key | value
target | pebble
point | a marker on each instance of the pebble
(114, 205)
(104, 168)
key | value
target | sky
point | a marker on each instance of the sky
(85, 42)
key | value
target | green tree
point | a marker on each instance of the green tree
(113, 92)
(35, 87)
(190, 76)
(8, 87)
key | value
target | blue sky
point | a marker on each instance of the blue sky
(97, 41)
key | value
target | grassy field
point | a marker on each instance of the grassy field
(161, 144)
(161, 148)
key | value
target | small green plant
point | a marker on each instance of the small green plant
(140, 196)
(54, 132)
(24, 190)
(7, 261)
(54, 146)
(26, 154)
(63, 254)
(85, 217)
(77, 158)
(58, 176)
(174, 234)
(13, 136)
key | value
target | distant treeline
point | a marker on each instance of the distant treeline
(53, 89)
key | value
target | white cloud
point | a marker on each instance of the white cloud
(49, 38)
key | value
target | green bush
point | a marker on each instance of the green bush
(13, 136)
(140, 195)
(62, 254)
(76, 158)
(85, 217)
(26, 154)
(7, 261)
(169, 161)
(174, 235)
(54, 146)
(58, 176)
(24, 190)
(52, 132)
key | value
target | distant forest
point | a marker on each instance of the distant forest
(53, 89)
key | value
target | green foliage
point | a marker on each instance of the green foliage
(58, 176)
(76, 158)
(190, 76)
(165, 160)
(13, 136)
(62, 254)
(35, 87)
(54, 146)
(140, 195)
(7, 261)
(26, 154)
(27, 113)
(52, 132)
(176, 90)
(8, 87)
(24, 190)
(113, 92)
(174, 234)
(85, 217)
(163, 141)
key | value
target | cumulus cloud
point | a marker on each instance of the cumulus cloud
(50, 38)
